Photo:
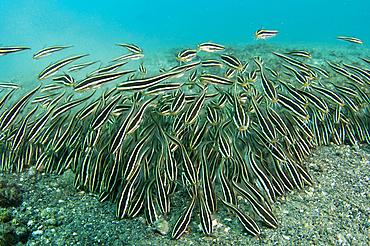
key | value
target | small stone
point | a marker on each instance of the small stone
(142, 220)
(21, 231)
(32, 171)
(6, 228)
(342, 240)
(214, 223)
(162, 226)
(38, 232)
(44, 213)
(51, 221)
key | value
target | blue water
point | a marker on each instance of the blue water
(95, 26)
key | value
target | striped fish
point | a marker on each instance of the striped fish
(131, 47)
(183, 221)
(42, 99)
(303, 80)
(252, 76)
(95, 82)
(150, 211)
(210, 47)
(249, 224)
(54, 68)
(210, 200)
(65, 79)
(300, 53)
(186, 55)
(108, 69)
(267, 85)
(66, 107)
(350, 39)
(61, 140)
(229, 73)
(337, 68)
(294, 93)
(292, 61)
(141, 84)
(132, 56)
(10, 115)
(264, 34)
(9, 85)
(277, 121)
(293, 106)
(188, 165)
(137, 118)
(78, 67)
(214, 80)
(211, 63)
(240, 117)
(163, 199)
(268, 129)
(227, 187)
(329, 94)
(265, 213)
(142, 69)
(365, 60)
(124, 198)
(321, 70)
(193, 111)
(162, 88)
(20, 134)
(232, 61)
(48, 51)
(121, 134)
(274, 73)
(261, 176)
(88, 110)
(223, 141)
(212, 115)
(11, 49)
(205, 217)
(362, 72)
(193, 76)
(50, 88)
(102, 118)
(186, 67)
(137, 202)
(178, 103)
(315, 100)
(39, 125)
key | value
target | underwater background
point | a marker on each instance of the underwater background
(333, 211)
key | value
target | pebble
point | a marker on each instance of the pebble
(21, 231)
(162, 226)
(51, 221)
(38, 232)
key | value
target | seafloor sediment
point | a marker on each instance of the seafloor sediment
(335, 211)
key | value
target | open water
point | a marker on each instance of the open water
(95, 26)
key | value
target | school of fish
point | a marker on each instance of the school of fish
(244, 130)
